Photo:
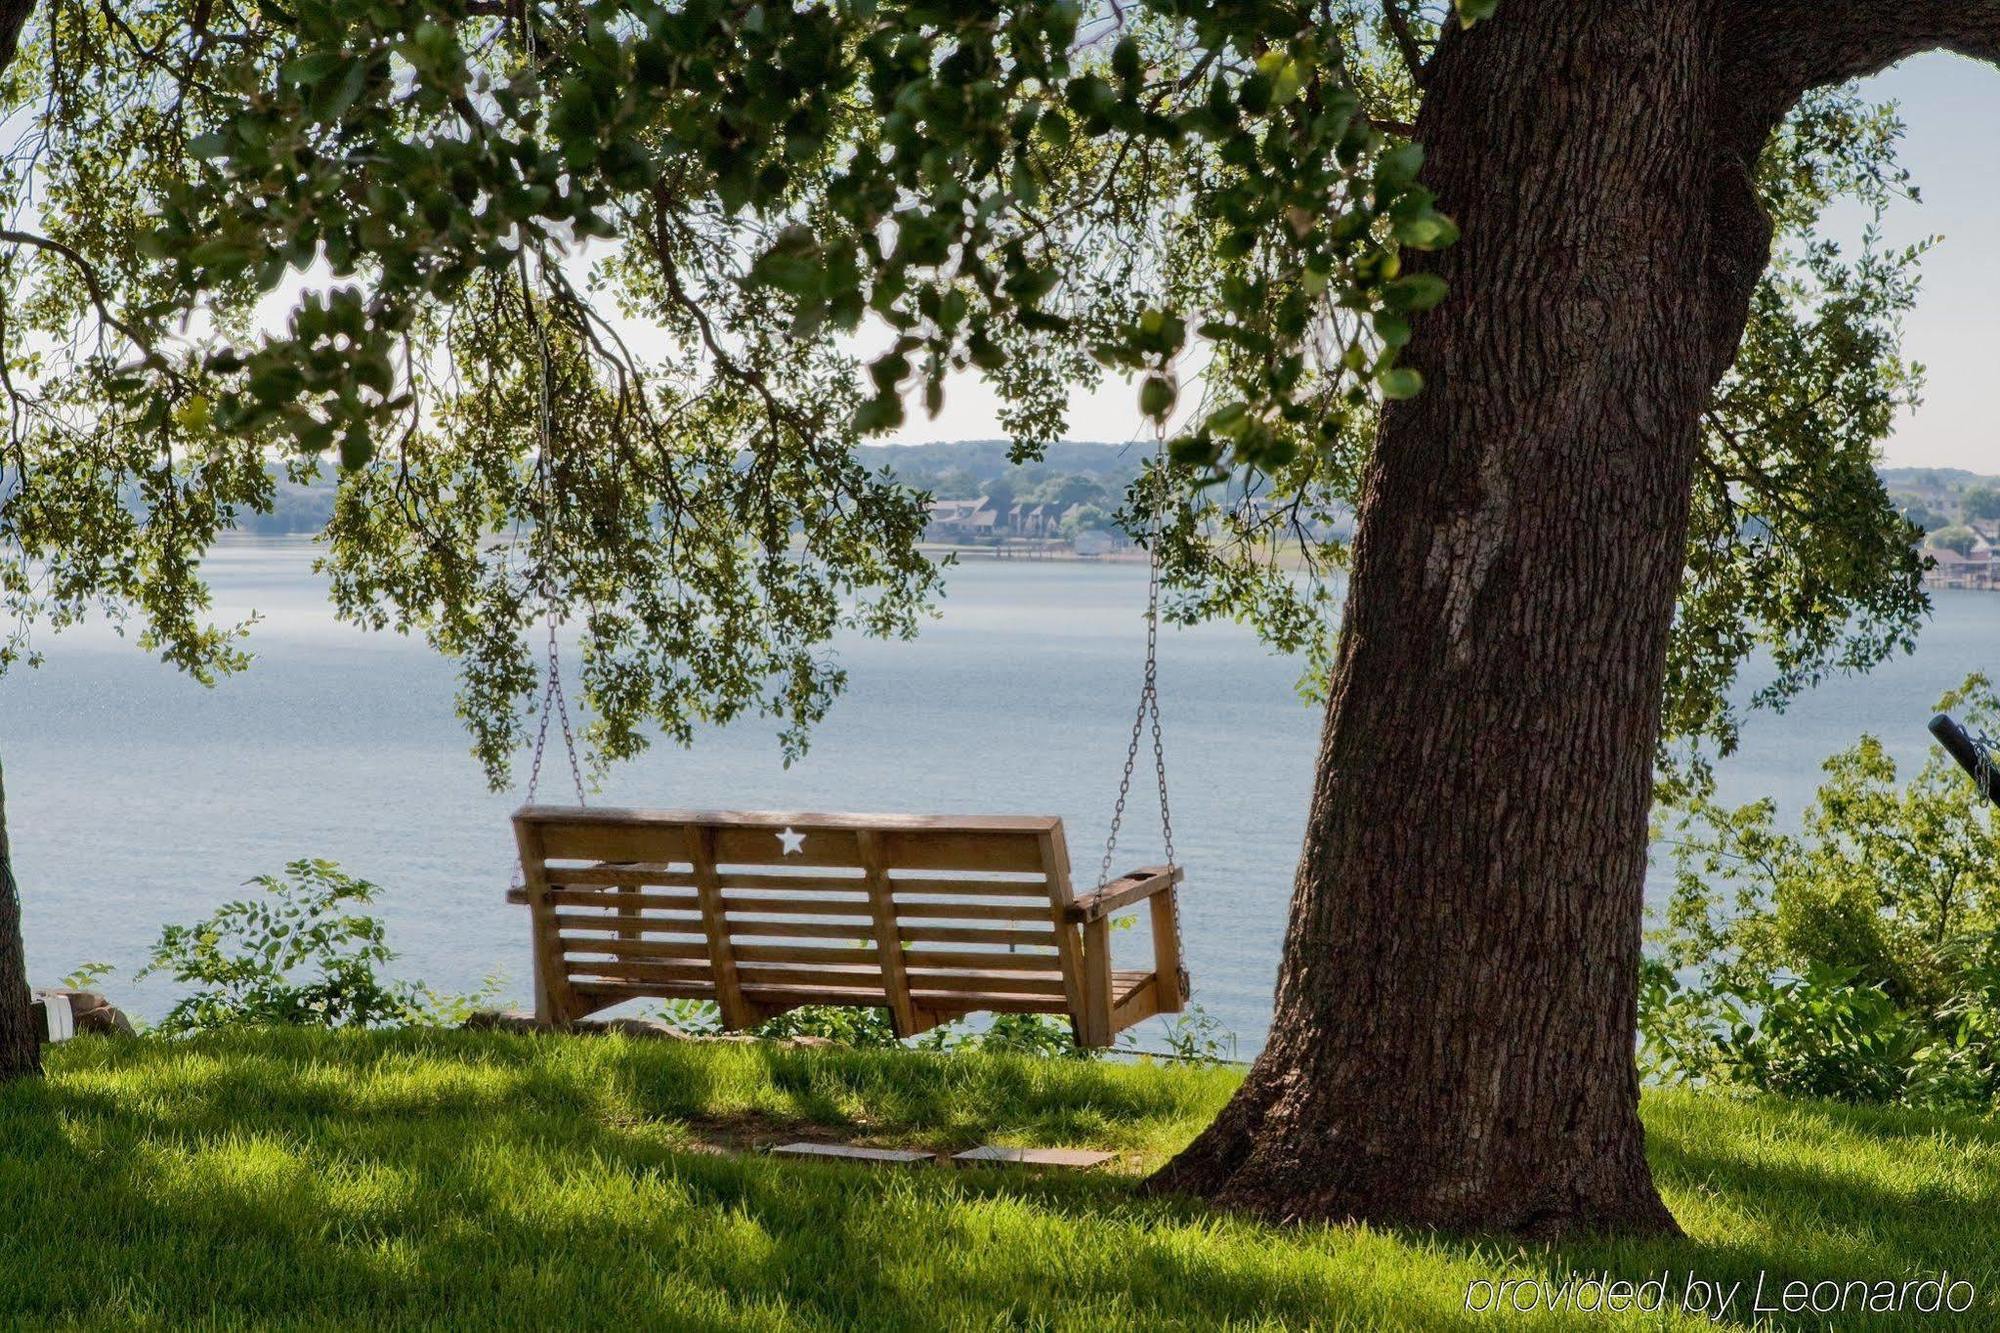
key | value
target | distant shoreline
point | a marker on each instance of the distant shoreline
(1060, 554)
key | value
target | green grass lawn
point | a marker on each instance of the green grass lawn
(477, 1180)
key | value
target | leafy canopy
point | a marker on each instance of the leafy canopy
(590, 304)
(576, 296)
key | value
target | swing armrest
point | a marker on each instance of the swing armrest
(1124, 891)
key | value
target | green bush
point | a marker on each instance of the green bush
(1012, 1034)
(1015, 1034)
(1857, 960)
(301, 954)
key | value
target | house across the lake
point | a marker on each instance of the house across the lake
(980, 518)
(1976, 567)
(957, 520)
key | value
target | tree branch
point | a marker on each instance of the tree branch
(1783, 48)
(1406, 40)
(88, 272)
(14, 15)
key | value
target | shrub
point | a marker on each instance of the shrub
(1197, 1037)
(1011, 1034)
(1018, 1034)
(1858, 959)
(300, 954)
(850, 1027)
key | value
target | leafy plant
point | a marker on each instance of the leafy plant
(87, 975)
(698, 1018)
(1038, 1035)
(1195, 1036)
(850, 1027)
(1858, 959)
(1016, 1034)
(300, 954)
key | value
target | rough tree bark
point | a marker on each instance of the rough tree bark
(1454, 1035)
(20, 1045)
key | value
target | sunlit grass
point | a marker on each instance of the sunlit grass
(480, 1181)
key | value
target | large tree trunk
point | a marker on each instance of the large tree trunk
(1454, 1036)
(20, 1043)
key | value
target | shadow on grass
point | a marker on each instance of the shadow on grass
(519, 1182)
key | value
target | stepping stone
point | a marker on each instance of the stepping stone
(1069, 1159)
(843, 1152)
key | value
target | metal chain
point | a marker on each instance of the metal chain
(1983, 776)
(1147, 711)
(552, 689)
(552, 693)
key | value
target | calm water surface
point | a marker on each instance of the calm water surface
(137, 797)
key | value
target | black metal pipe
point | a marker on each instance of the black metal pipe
(1958, 743)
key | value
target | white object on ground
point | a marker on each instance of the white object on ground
(62, 1019)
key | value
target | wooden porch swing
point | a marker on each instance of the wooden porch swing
(930, 917)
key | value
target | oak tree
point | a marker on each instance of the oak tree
(625, 283)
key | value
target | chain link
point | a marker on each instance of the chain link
(1983, 775)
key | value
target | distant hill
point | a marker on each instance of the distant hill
(296, 509)
(1096, 472)
(1934, 477)
(1074, 470)
(963, 469)
(1944, 497)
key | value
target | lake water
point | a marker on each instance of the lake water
(137, 797)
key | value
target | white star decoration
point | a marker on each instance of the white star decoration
(793, 843)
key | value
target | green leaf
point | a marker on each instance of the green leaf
(1400, 382)
(1416, 291)
(1392, 327)
(984, 352)
(880, 413)
(1125, 59)
(1430, 231)
(356, 448)
(310, 69)
(1285, 74)
(1229, 418)
(1194, 450)
(1400, 165)
(1474, 11)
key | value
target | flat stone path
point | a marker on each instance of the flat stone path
(1070, 1159)
(841, 1152)
(1061, 1159)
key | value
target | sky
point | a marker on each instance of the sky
(1952, 106)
